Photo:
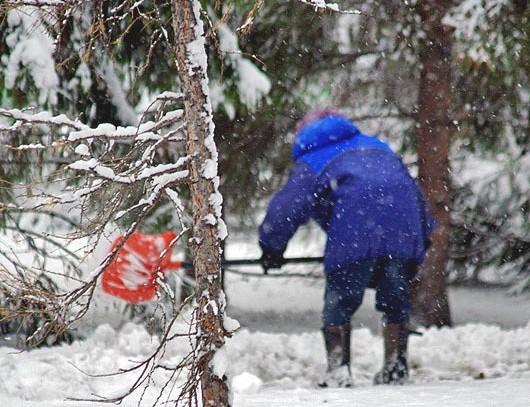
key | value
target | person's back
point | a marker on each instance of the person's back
(356, 189)
(377, 225)
(376, 208)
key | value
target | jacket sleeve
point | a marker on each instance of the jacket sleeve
(290, 208)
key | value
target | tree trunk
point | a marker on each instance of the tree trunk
(430, 302)
(208, 227)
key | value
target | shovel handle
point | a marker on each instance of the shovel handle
(249, 262)
(252, 262)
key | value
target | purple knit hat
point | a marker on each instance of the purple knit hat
(314, 115)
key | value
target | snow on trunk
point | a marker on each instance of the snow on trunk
(208, 227)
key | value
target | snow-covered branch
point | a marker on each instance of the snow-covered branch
(322, 5)
(122, 173)
(23, 118)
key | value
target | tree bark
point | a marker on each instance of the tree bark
(429, 297)
(208, 227)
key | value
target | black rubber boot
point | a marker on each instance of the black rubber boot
(395, 369)
(337, 342)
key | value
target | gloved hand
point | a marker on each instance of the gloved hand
(271, 261)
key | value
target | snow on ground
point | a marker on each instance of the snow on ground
(448, 363)
(490, 393)
(278, 356)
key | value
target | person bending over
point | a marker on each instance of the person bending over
(377, 224)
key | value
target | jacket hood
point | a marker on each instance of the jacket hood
(323, 133)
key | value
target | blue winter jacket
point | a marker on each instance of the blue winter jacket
(357, 190)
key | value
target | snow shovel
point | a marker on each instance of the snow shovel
(132, 275)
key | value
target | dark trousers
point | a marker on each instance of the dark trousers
(345, 289)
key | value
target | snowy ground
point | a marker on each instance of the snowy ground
(490, 393)
(471, 365)
(278, 356)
